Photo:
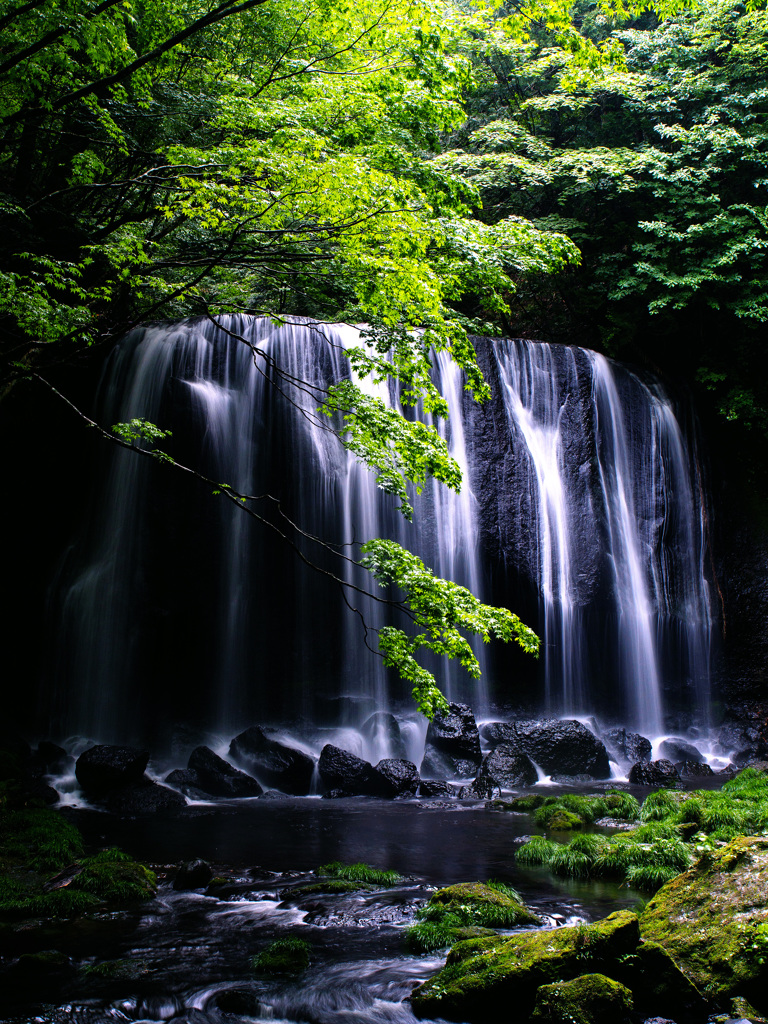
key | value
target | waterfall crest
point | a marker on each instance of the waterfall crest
(578, 480)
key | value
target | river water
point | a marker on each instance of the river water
(186, 956)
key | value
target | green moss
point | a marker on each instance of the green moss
(483, 974)
(572, 810)
(359, 873)
(284, 956)
(64, 903)
(713, 920)
(589, 999)
(466, 910)
(124, 970)
(37, 843)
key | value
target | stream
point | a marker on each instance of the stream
(186, 956)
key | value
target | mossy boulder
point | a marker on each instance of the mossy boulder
(589, 999)
(659, 984)
(489, 906)
(713, 921)
(482, 978)
(284, 956)
(467, 910)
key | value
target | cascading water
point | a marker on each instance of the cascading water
(175, 605)
(612, 522)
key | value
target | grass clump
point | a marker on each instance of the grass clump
(284, 956)
(655, 846)
(650, 877)
(39, 838)
(359, 873)
(660, 805)
(36, 844)
(115, 878)
(571, 810)
(466, 910)
(536, 851)
(527, 803)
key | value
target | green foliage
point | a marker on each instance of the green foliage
(359, 873)
(443, 610)
(140, 430)
(41, 839)
(284, 956)
(654, 164)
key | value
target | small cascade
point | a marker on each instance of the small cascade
(175, 606)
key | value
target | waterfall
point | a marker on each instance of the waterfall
(175, 605)
(612, 525)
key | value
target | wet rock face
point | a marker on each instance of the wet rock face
(506, 767)
(195, 874)
(713, 921)
(401, 776)
(350, 775)
(217, 777)
(188, 782)
(654, 773)
(105, 767)
(630, 746)
(693, 770)
(432, 789)
(144, 797)
(276, 764)
(564, 748)
(453, 744)
(676, 749)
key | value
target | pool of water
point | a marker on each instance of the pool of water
(187, 957)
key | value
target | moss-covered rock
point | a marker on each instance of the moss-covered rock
(589, 999)
(482, 978)
(284, 956)
(713, 921)
(489, 905)
(658, 983)
(467, 910)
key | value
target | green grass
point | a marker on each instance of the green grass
(39, 838)
(555, 812)
(359, 873)
(655, 846)
(536, 851)
(36, 844)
